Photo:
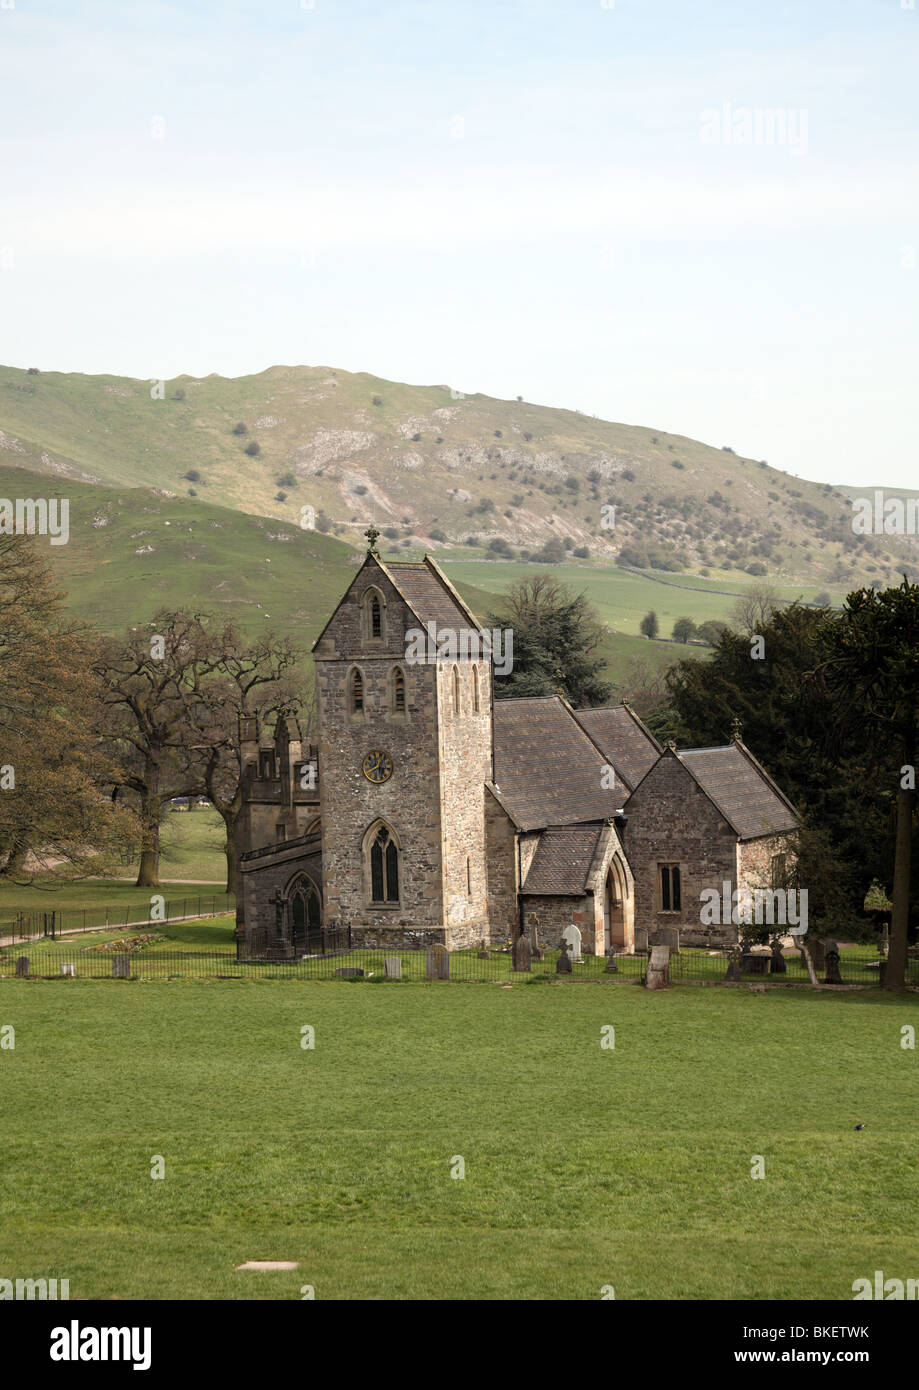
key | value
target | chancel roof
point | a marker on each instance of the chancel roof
(547, 769)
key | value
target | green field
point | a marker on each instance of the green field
(584, 1167)
(192, 847)
(622, 598)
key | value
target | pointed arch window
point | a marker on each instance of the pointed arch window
(384, 867)
(373, 608)
(398, 691)
(356, 692)
(455, 684)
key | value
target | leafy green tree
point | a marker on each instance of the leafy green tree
(711, 631)
(786, 720)
(870, 680)
(556, 635)
(684, 629)
(649, 624)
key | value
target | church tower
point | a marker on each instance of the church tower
(404, 686)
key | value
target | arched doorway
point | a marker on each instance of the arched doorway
(305, 918)
(614, 893)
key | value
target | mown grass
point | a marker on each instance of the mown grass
(583, 1166)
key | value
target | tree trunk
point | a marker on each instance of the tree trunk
(895, 975)
(148, 874)
(230, 850)
(16, 857)
(806, 955)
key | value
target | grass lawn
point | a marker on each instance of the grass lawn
(192, 847)
(584, 1166)
(202, 934)
(192, 864)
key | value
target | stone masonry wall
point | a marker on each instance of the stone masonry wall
(557, 913)
(671, 820)
(350, 804)
(501, 871)
(261, 879)
(465, 766)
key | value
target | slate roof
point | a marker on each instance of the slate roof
(741, 789)
(547, 769)
(428, 593)
(426, 590)
(623, 739)
(562, 860)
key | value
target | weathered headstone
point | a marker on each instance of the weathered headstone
(832, 976)
(752, 962)
(437, 961)
(348, 972)
(818, 952)
(572, 938)
(777, 965)
(533, 931)
(393, 967)
(68, 968)
(734, 970)
(522, 954)
(667, 936)
(482, 952)
(641, 946)
(22, 965)
(611, 967)
(658, 974)
(121, 967)
(563, 964)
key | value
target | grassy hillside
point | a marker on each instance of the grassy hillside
(134, 550)
(435, 469)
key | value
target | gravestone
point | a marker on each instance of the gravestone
(752, 963)
(658, 975)
(641, 946)
(572, 938)
(818, 952)
(68, 968)
(533, 932)
(437, 963)
(348, 972)
(832, 976)
(393, 967)
(734, 970)
(611, 967)
(777, 965)
(482, 952)
(563, 964)
(522, 954)
(667, 936)
(121, 967)
(22, 965)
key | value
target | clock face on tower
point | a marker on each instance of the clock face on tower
(377, 766)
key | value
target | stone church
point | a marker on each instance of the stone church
(431, 813)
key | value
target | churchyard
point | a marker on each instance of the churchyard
(438, 1141)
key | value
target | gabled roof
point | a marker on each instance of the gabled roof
(622, 738)
(548, 771)
(563, 860)
(741, 789)
(423, 587)
(429, 593)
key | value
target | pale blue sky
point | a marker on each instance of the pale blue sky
(509, 196)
